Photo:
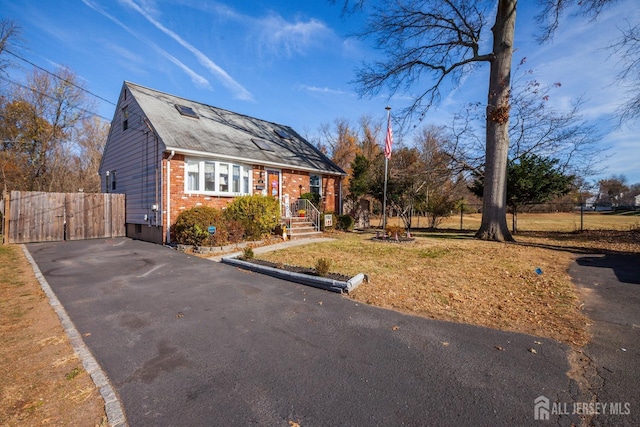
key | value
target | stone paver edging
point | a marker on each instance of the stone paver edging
(112, 405)
(305, 279)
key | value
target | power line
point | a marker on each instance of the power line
(51, 97)
(58, 77)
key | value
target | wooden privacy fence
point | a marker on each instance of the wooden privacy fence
(32, 216)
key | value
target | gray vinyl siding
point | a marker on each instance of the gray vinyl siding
(136, 159)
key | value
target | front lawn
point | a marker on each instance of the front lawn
(521, 287)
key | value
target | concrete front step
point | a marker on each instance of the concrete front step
(301, 227)
(297, 232)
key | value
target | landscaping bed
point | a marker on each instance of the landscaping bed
(297, 269)
(334, 282)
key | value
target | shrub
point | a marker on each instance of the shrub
(345, 222)
(247, 253)
(257, 214)
(314, 198)
(322, 266)
(393, 229)
(235, 231)
(191, 227)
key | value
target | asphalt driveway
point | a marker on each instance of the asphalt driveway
(189, 342)
(610, 286)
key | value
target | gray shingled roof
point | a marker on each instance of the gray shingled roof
(224, 133)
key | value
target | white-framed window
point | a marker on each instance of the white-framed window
(193, 176)
(224, 178)
(315, 184)
(246, 174)
(209, 176)
(217, 178)
(236, 179)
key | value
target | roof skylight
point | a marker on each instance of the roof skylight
(262, 144)
(283, 134)
(187, 111)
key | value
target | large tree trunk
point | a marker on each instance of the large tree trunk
(494, 200)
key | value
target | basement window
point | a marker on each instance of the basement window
(187, 111)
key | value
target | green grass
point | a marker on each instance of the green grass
(74, 373)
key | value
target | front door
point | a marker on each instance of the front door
(273, 182)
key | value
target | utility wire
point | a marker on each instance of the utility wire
(58, 77)
(51, 97)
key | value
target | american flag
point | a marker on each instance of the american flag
(389, 142)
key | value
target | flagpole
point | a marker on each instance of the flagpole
(386, 166)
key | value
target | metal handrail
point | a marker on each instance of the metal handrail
(311, 212)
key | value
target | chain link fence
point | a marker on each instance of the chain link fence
(555, 217)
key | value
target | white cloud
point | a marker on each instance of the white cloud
(285, 38)
(239, 91)
(122, 52)
(272, 33)
(196, 78)
(323, 90)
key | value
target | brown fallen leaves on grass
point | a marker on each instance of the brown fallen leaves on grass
(42, 381)
(457, 278)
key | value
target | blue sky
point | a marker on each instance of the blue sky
(292, 62)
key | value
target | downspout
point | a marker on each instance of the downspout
(168, 239)
(340, 197)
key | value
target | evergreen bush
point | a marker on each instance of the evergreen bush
(314, 198)
(257, 214)
(345, 222)
(191, 227)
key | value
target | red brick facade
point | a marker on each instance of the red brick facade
(292, 182)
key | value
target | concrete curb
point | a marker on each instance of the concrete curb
(305, 279)
(112, 405)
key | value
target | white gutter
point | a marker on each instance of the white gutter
(253, 161)
(168, 224)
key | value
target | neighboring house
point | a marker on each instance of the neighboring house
(168, 154)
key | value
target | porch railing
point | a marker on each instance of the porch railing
(310, 212)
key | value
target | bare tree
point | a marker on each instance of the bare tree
(535, 128)
(40, 130)
(9, 32)
(91, 139)
(628, 48)
(370, 143)
(443, 40)
(612, 190)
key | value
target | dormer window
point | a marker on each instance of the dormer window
(187, 111)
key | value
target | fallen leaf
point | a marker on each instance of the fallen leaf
(179, 316)
(294, 424)
(444, 343)
(319, 302)
(499, 348)
(395, 328)
(538, 342)
(86, 334)
(532, 350)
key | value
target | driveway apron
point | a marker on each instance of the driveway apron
(189, 342)
(610, 287)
